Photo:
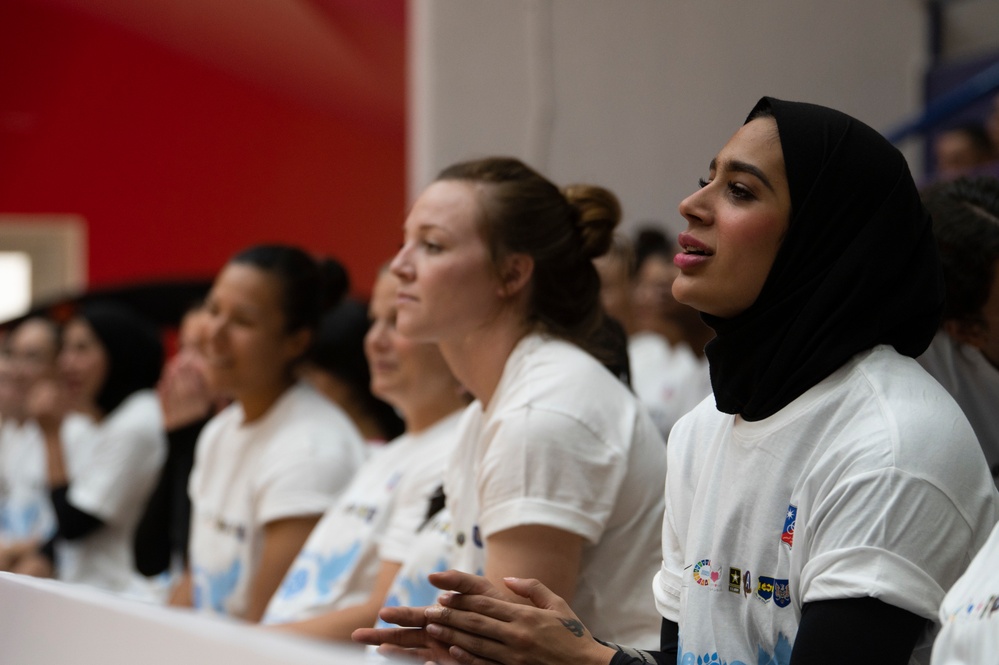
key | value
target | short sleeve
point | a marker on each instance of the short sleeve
(547, 468)
(886, 534)
(123, 466)
(303, 472)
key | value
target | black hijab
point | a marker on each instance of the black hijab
(858, 267)
(133, 348)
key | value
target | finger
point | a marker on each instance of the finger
(412, 617)
(471, 648)
(494, 608)
(406, 638)
(539, 595)
(454, 580)
(399, 653)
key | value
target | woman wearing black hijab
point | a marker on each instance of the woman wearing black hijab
(821, 502)
(100, 479)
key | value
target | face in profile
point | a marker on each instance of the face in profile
(83, 363)
(735, 224)
(615, 288)
(447, 284)
(32, 355)
(402, 371)
(246, 345)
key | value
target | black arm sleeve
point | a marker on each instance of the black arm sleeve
(669, 640)
(73, 522)
(164, 525)
(853, 630)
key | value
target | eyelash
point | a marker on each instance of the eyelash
(431, 247)
(737, 191)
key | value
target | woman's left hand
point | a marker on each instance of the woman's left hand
(483, 628)
(411, 640)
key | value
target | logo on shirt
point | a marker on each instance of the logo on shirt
(787, 535)
(765, 588)
(735, 580)
(782, 593)
(705, 575)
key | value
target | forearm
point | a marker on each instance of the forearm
(335, 625)
(73, 523)
(55, 461)
(667, 654)
(853, 629)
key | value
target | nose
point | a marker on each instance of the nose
(377, 337)
(694, 207)
(401, 265)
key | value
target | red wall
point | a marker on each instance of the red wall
(176, 164)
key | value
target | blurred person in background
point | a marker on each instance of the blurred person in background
(343, 574)
(100, 478)
(270, 464)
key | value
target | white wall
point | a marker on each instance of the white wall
(638, 95)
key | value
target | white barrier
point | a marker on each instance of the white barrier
(44, 622)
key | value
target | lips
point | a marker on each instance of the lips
(691, 245)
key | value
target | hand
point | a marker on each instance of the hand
(411, 640)
(183, 391)
(484, 629)
(46, 404)
(12, 553)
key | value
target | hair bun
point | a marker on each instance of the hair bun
(599, 213)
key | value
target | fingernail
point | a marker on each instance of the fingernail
(445, 598)
(434, 629)
(512, 579)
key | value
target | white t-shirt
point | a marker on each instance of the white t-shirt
(291, 462)
(969, 614)
(564, 444)
(974, 384)
(871, 484)
(25, 506)
(338, 564)
(670, 380)
(431, 551)
(119, 463)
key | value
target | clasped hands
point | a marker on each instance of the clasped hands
(476, 623)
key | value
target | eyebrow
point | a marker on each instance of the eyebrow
(743, 167)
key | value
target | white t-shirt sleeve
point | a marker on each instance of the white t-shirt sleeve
(126, 458)
(546, 468)
(303, 473)
(886, 534)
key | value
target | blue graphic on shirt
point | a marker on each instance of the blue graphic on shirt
(328, 571)
(780, 656)
(212, 590)
(414, 590)
(18, 522)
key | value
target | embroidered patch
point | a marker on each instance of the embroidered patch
(704, 574)
(787, 535)
(747, 583)
(735, 580)
(765, 588)
(782, 593)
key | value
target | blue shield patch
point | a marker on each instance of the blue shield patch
(764, 588)
(782, 593)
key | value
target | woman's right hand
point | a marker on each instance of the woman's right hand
(46, 404)
(183, 391)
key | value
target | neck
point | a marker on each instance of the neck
(424, 416)
(478, 358)
(258, 403)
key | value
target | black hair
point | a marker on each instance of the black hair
(966, 226)
(133, 348)
(307, 287)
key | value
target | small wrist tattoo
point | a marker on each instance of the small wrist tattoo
(573, 626)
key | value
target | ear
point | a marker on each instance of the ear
(515, 271)
(298, 343)
(974, 334)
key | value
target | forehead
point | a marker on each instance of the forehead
(248, 282)
(33, 334)
(451, 205)
(756, 143)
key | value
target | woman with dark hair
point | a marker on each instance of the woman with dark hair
(964, 355)
(267, 466)
(338, 369)
(821, 502)
(99, 480)
(558, 469)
